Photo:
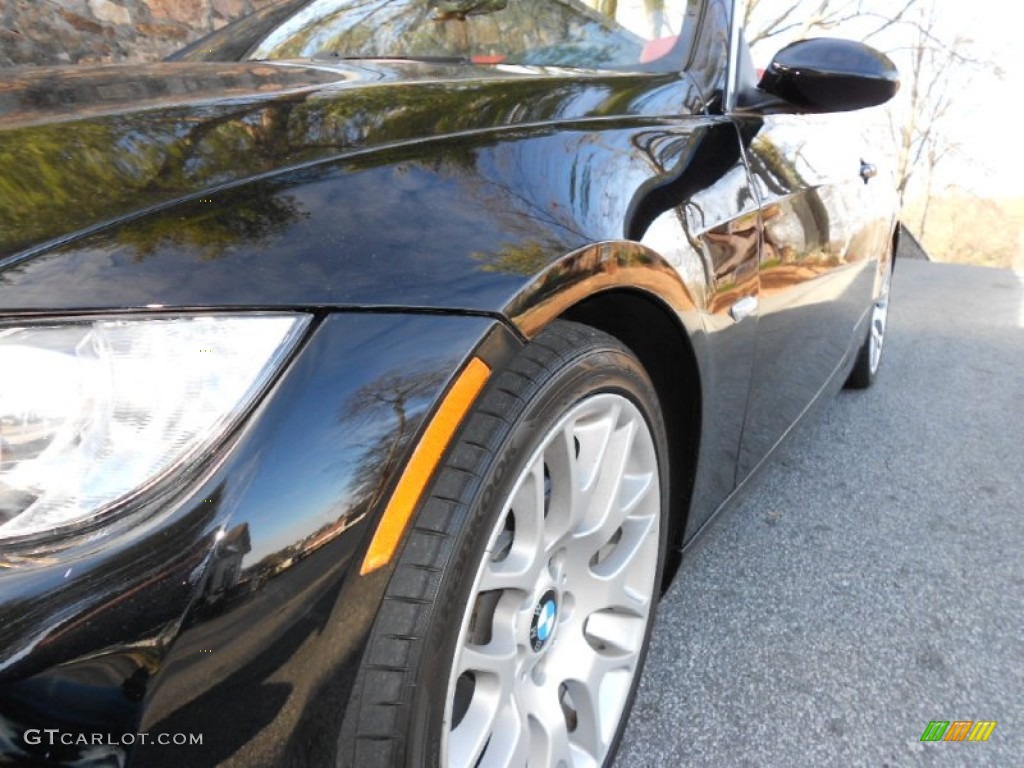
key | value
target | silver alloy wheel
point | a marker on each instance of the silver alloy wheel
(879, 317)
(553, 632)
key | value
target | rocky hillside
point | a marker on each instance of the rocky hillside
(91, 31)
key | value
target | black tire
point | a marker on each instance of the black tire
(865, 367)
(396, 714)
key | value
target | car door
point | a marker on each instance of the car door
(709, 230)
(819, 242)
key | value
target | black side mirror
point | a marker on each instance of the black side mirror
(826, 75)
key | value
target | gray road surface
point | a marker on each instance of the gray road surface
(874, 579)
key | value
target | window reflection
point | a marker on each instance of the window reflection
(569, 33)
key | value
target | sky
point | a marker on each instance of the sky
(982, 121)
(985, 121)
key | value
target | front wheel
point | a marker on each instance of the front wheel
(555, 493)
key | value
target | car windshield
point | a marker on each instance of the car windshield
(567, 33)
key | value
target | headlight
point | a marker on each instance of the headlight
(93, 411)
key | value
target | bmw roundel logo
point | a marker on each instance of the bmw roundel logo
(545, 615)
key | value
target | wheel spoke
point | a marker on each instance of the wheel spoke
(509, 745)
(594, 436)
(578, 456)
(568, 496)
(519, 568)
(490, 718)
(496, 659)
(635, 488)
(579, 662)
(549, 732)
(605, 513)
(594, 683)
(616, 633)
(598, 704)
(619, 581)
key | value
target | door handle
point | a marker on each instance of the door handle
(868, 171)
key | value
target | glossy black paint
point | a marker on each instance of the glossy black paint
(181, 142)
(830, 75)
(422, 212)
(174, 620)
(823, 232)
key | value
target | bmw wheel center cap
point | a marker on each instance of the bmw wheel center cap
(545, 616)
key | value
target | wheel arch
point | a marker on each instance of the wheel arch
(630, 292)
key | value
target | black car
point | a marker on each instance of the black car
(365, 371)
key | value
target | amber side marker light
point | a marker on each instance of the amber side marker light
(425, 458)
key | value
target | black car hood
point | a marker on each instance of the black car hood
(90, 156)
(85, 146)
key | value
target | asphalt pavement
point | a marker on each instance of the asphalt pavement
(873, 580)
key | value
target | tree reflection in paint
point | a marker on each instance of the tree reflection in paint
(394, 404)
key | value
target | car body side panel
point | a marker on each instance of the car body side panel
(694, 248)
(242, 628)
(823, 239)
(264, 664)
